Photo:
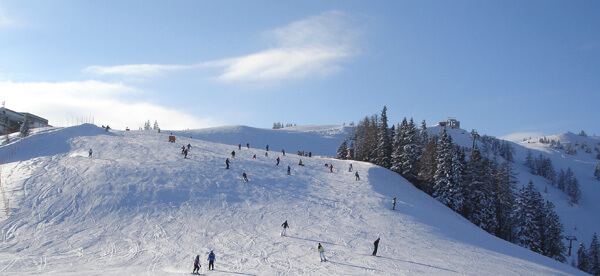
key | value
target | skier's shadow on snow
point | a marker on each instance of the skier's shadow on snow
(426, 265)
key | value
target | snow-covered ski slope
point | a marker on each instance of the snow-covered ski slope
(137, 207)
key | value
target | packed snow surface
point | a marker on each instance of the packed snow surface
(138, 207)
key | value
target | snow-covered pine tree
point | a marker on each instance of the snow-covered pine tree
(396, 150)
(593, 256)
(529, 160)
(582, 258)
(411, 152)
(442, 179)
(24, 131)
(155, 127)
(342, 151)
(528, 216)
(479, 202)
(384, 145)
(561, 180)
(505, 180)
(552, 229)
(423, 134)
(573, 191)
(597, 171)
(428, 166)
(147, 125)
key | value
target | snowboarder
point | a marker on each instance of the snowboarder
(196, 265)
(289, 170)
(211, 260)
(90, 155)
(350, 167)
(331, 168)
(283, 152)
(233, 155)
(185, 152)
(357, 177)
(248, 145)
(394, 203)
(245, 177)
(300, 163)
(285, 226)
(321, 253)
(107, 128)
(277, 162)
(376, 245)
(227, 163)
(267, 147)
(254, 157)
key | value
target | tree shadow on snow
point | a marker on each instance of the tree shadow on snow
(311, 240)
(425, 265)
(355, 266)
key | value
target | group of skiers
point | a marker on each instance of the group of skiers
(211, 262)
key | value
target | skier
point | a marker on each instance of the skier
(321, 254)
(90, 155)
(350, 168)
(254, 157)
(189, 146)
(375, 244)
(283, 152)
(245, 177)
(300, 163)
(267, 147)
(285, 226)
(248, 145)
(196, 265)
(233, 155)
(277, 162)
(211, 260)
(357, 177)
(107, 128)
(185, 152)
(394, 203)
(331, 168)
(289, 172)
(239, 146)
(182, 149)
(267, 154)
(227, 163)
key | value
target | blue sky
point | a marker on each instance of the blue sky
(501, 67)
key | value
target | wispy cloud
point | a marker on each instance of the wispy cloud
(315, 46)
(64, 102)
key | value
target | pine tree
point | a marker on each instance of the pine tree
(155, 125)
(147, 125)
(561, 180)
(479, 206)
(552, 229)
(582, 258)
(342, 151)
(528, 216)
(573, 191)
(384, 147)
(597, 171)
(396, 150)
(505, 180)
(428, 166)
(529, 160)
(24, 131)
(410, 153)
(423, 134)
(594, 256)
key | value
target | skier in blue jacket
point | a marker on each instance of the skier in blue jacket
(211, 260)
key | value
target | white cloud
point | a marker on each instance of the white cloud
(65, 103)
(519, 136)
(311, 47)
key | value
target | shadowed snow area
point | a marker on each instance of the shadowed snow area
(137, 207)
